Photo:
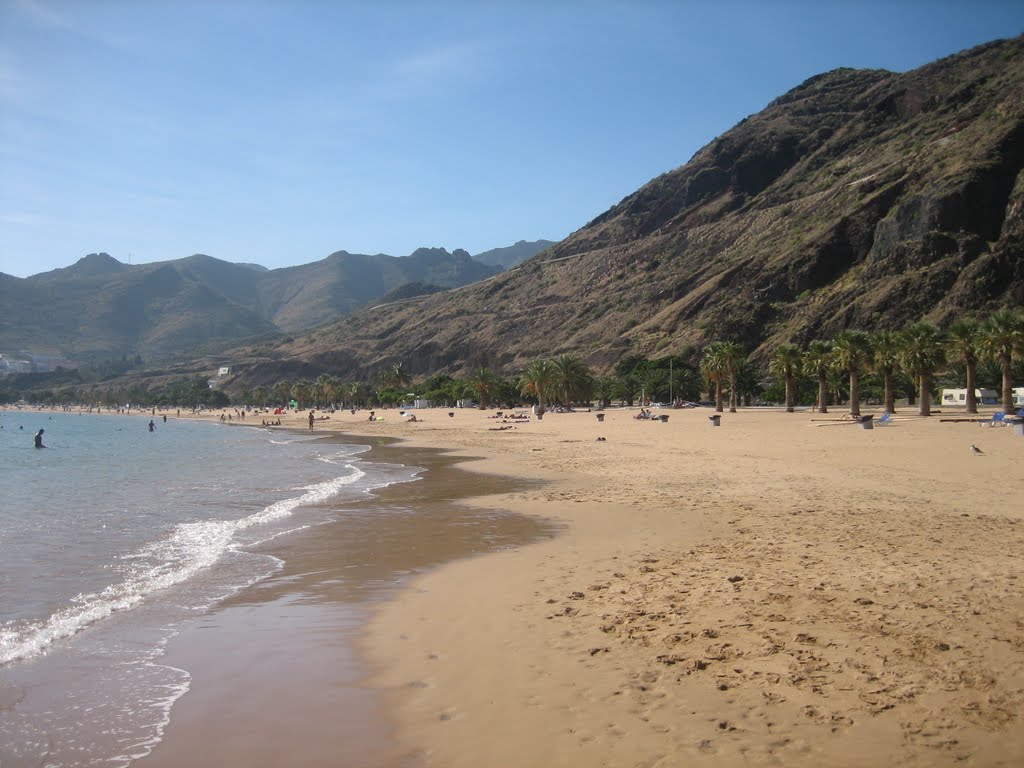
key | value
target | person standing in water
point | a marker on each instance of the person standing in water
(39, 439)
(152, 426)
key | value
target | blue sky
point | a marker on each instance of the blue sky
(279, 132)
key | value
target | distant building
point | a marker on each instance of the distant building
(222, 373)
(44, 363)
(13, 365)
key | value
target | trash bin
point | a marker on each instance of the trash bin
(663, 417)
(715, 420)
(1018, 428)
(867, 422)
(600, 417)
(451, 414)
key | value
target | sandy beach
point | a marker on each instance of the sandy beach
(785, 589)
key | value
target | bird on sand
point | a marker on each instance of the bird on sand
(976, 450)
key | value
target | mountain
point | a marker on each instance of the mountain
(101, 307)
(859, 199)
(513, 255)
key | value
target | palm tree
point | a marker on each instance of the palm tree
(1002, 336)
(485, 383)
(282, 391)
(734, 358)
(575, 382)
(302, 391)
(604, 390)
(852, 352)
(396, 377)
(627, 386)
(713, 366)
(819, 358)
(359, 393)
(685, 382)
(964, 337)
(786, 360)
(885, 346)
(922, 352)
(325, 388)
(259, 396)
(538, 379)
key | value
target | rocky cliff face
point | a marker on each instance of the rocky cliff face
(859, 199)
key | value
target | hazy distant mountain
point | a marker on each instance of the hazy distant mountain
(100, 306)
(513, 254)
(859, 199)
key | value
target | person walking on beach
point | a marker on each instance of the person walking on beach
(39, 439)
(310, 422)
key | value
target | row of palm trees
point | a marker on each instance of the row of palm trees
(565, 379)
(921, 351)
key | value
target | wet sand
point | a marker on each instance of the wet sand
(276, 679)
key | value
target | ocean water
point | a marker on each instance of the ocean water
(112, 538)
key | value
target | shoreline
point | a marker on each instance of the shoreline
(278, 662)
(779, 590)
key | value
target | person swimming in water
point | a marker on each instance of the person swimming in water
(39, 439)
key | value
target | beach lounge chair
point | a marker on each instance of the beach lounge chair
(998, 420)
(884, 420)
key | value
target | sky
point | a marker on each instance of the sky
(278, 132)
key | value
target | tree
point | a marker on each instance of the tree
(604, 390)
(627, 387)
(485, 384)
(713, 366)
(1002, 336)
(302, 391)
(539, 379)
(359, 393)
(684, 381)
(396, 377)
(326, 389)
(574, 381)
(922, 352)
(820, 358)
(786, 360)
(885, 347)
(964, 338)
(852, 352)
(442, 389)
(282, 391)
(732, 354)
(259, 396)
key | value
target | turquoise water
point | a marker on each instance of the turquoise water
(111, 538)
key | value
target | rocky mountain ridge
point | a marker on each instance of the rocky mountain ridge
(100, 306)
(858, 199)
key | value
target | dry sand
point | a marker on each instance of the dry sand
(780, 590)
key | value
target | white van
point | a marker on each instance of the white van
(959, 397)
